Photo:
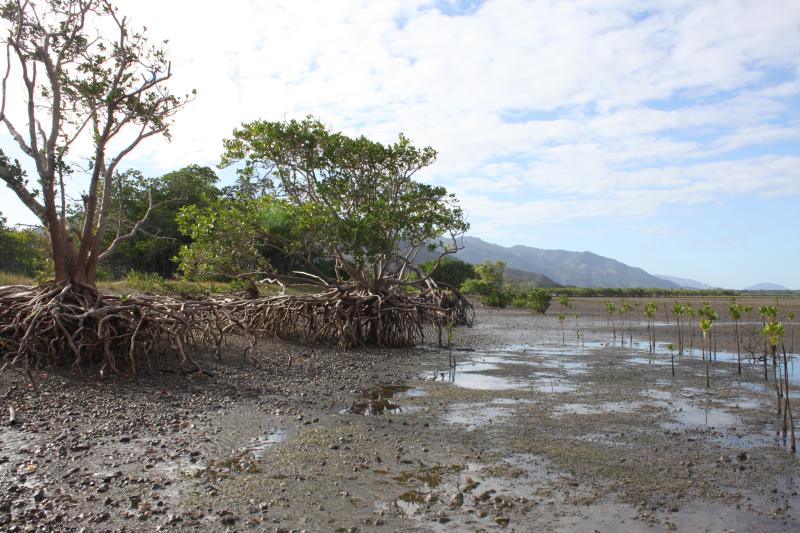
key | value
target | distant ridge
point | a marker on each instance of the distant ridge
(581, 269)
(685, 283)
(766, 287)
(523, 276)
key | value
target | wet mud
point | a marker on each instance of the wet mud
(524, 433)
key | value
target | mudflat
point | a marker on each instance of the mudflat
(524, 433)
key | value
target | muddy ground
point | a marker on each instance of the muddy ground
(525, 434)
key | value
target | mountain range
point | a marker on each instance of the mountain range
(523, 276)
(581, 269)
(550, 268)
(686, 283)
(766, 287)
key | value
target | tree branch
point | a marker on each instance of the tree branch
(120, 238)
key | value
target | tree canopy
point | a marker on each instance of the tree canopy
(231, 237)
(155, 246)
(449, 271)
(23, 249)
(354, 200)
(491, 272)
(90, 95)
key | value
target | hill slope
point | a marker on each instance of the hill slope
(686, 283)
(582, 269)
(523, 276)
(766, 287)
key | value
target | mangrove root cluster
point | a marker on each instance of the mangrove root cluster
(66, 325)
(70, 325)
(454, 307)
(350, 316)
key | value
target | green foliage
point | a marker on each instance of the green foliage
(768, 312)
(476, 287)
(95, 87)
(23, 251)
(146, 282)
(229, 235)
(355, 199)
(154, 248)
(772, 332)
(735, 310)
(497, 298)
(639, 292)
(450, 271)
(564, 301)
(491, 272)
(708, 315)
(650, 310)
(152, 283)
(520, 298)
(538, 300)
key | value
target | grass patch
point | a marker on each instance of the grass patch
(10, 278)
(153, 284)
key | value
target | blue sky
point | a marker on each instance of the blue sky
(663, 134)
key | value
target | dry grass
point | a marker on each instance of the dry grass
(8, 278)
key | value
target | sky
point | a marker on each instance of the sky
(663, 134)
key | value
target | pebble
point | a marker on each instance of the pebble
(457, 500)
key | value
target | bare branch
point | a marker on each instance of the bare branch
(120, 238)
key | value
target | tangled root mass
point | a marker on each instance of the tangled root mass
(70, 325)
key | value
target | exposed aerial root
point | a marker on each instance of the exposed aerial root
(71, 325)
(68, 325)
(348, 316)
(454, 307)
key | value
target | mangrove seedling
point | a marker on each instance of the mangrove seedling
(678, 310)
(709, 315)
(691, 314)
(625, 308)
(772, 331)
(671, 349)
(787, 408)
(650, 313)
(451, 359)
(705, 327)
(735, 311)
(610, 308)
(768, 313)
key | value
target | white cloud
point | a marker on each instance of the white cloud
(632, 105)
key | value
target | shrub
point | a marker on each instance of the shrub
(477, 286)
(498, 299)
(539, 300)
